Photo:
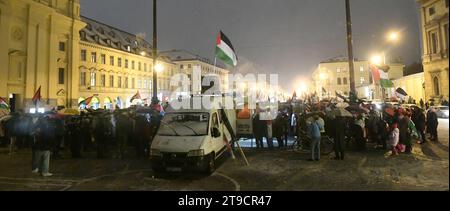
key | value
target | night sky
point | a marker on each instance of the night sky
(289, 37)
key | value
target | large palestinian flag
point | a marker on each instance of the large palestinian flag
(225, 50)
(381, 77)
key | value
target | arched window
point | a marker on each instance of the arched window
(345, 81)
(436, 86)
(339, 81)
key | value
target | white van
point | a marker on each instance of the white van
(191, 139)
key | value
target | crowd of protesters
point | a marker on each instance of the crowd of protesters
(108, 133)
(387, 126)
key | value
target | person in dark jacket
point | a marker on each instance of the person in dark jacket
(420, 122)
(405, 134)
(44, 138)
(278, 129)
(432, 124)
(100, 136)
(259, 128)
(73, 136)
(123, 125)
(339, 138)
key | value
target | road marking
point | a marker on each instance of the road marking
(236, 184)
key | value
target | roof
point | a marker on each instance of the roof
(184, 55)
(339, 59)
(109, 36)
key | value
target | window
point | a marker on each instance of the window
(145, 84)
(139, 84)
(181, 66)
(103, 58)
(139, 66)
(361, 68)
(128, 48)
(431, 11)
(338, 70)
(339, 81)
(132, 65)
(111, 60)
(119, 81)
(103, 80)
(94, 57)
(433, 42)
(126, 63)
(189, 66)
(61, 76)
(111, 81)
(363, 80)
(93, 78)
(62, 46)
(126, 82)
(436, 86)
(145, 67)
(345, 81)
(83, 79)
(446, 3)
(132, 83)
(83, 55)
(119, 62)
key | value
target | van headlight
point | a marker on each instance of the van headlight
(155, 153)
(196, 153)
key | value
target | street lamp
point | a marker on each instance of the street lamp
(159, 68)
(393, 36)
(377, 59)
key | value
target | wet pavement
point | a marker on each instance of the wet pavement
(280, 169)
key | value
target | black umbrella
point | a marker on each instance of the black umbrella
(401, 92)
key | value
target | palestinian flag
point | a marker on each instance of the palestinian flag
(401, 93)
(3, 104)
(37, 96)
(86, 101)
(225, 50)
(381, 77)
(137, 96)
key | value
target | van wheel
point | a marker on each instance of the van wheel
(211, 164)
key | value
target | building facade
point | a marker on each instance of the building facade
(187, 62)
(39, 42)
(48, 44)
(333, 76)
(414, 85)
(434, 24)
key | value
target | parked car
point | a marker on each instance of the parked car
(441, 111)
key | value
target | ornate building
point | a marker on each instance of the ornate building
(48, 44)
(434, 24)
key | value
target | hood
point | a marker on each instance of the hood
(180, 144)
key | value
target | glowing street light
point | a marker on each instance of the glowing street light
(159, 68)
(377, 59)
(393, 36)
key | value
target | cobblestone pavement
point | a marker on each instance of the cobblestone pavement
(426, 169)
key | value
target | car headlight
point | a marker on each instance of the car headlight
(196, 153)
(155, 153)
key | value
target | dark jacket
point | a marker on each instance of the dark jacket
(44, 136)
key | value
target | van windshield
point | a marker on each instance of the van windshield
(184, 124)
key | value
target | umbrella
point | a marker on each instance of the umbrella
(341, 112)
(69, 112)
(357, 109)
(402, 92)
